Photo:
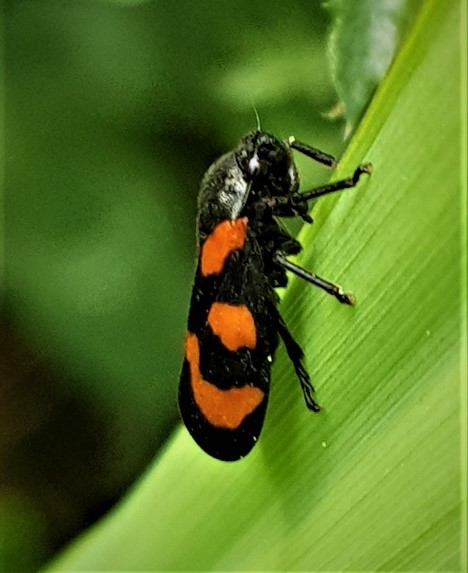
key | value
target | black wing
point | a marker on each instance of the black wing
(231, 340)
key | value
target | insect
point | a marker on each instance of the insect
(234, 325)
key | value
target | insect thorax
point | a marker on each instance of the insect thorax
(260, 167)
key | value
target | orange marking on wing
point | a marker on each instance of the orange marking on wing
(227, 237)
(234, 324)
(222, 408)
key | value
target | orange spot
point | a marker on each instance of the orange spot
(227, 237)
(222, 408)
(234, 325)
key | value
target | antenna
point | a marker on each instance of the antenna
(257, 117)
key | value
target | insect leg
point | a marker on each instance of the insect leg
(296, 205)
(296, 355)
(327, 286)
(312, 152)
(347, 183)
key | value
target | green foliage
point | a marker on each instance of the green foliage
(364, 39)
(113, 111)
(373, 482)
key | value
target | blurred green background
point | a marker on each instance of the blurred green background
(113, 111)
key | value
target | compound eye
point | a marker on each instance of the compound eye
(254, 165)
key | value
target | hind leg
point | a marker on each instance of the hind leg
(296, 355)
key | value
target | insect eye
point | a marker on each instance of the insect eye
(254, 165)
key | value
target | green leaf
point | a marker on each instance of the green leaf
(372, 482)
(364, 39)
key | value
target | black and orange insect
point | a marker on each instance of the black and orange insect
(234, 325)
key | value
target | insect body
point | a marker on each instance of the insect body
(234, 325)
